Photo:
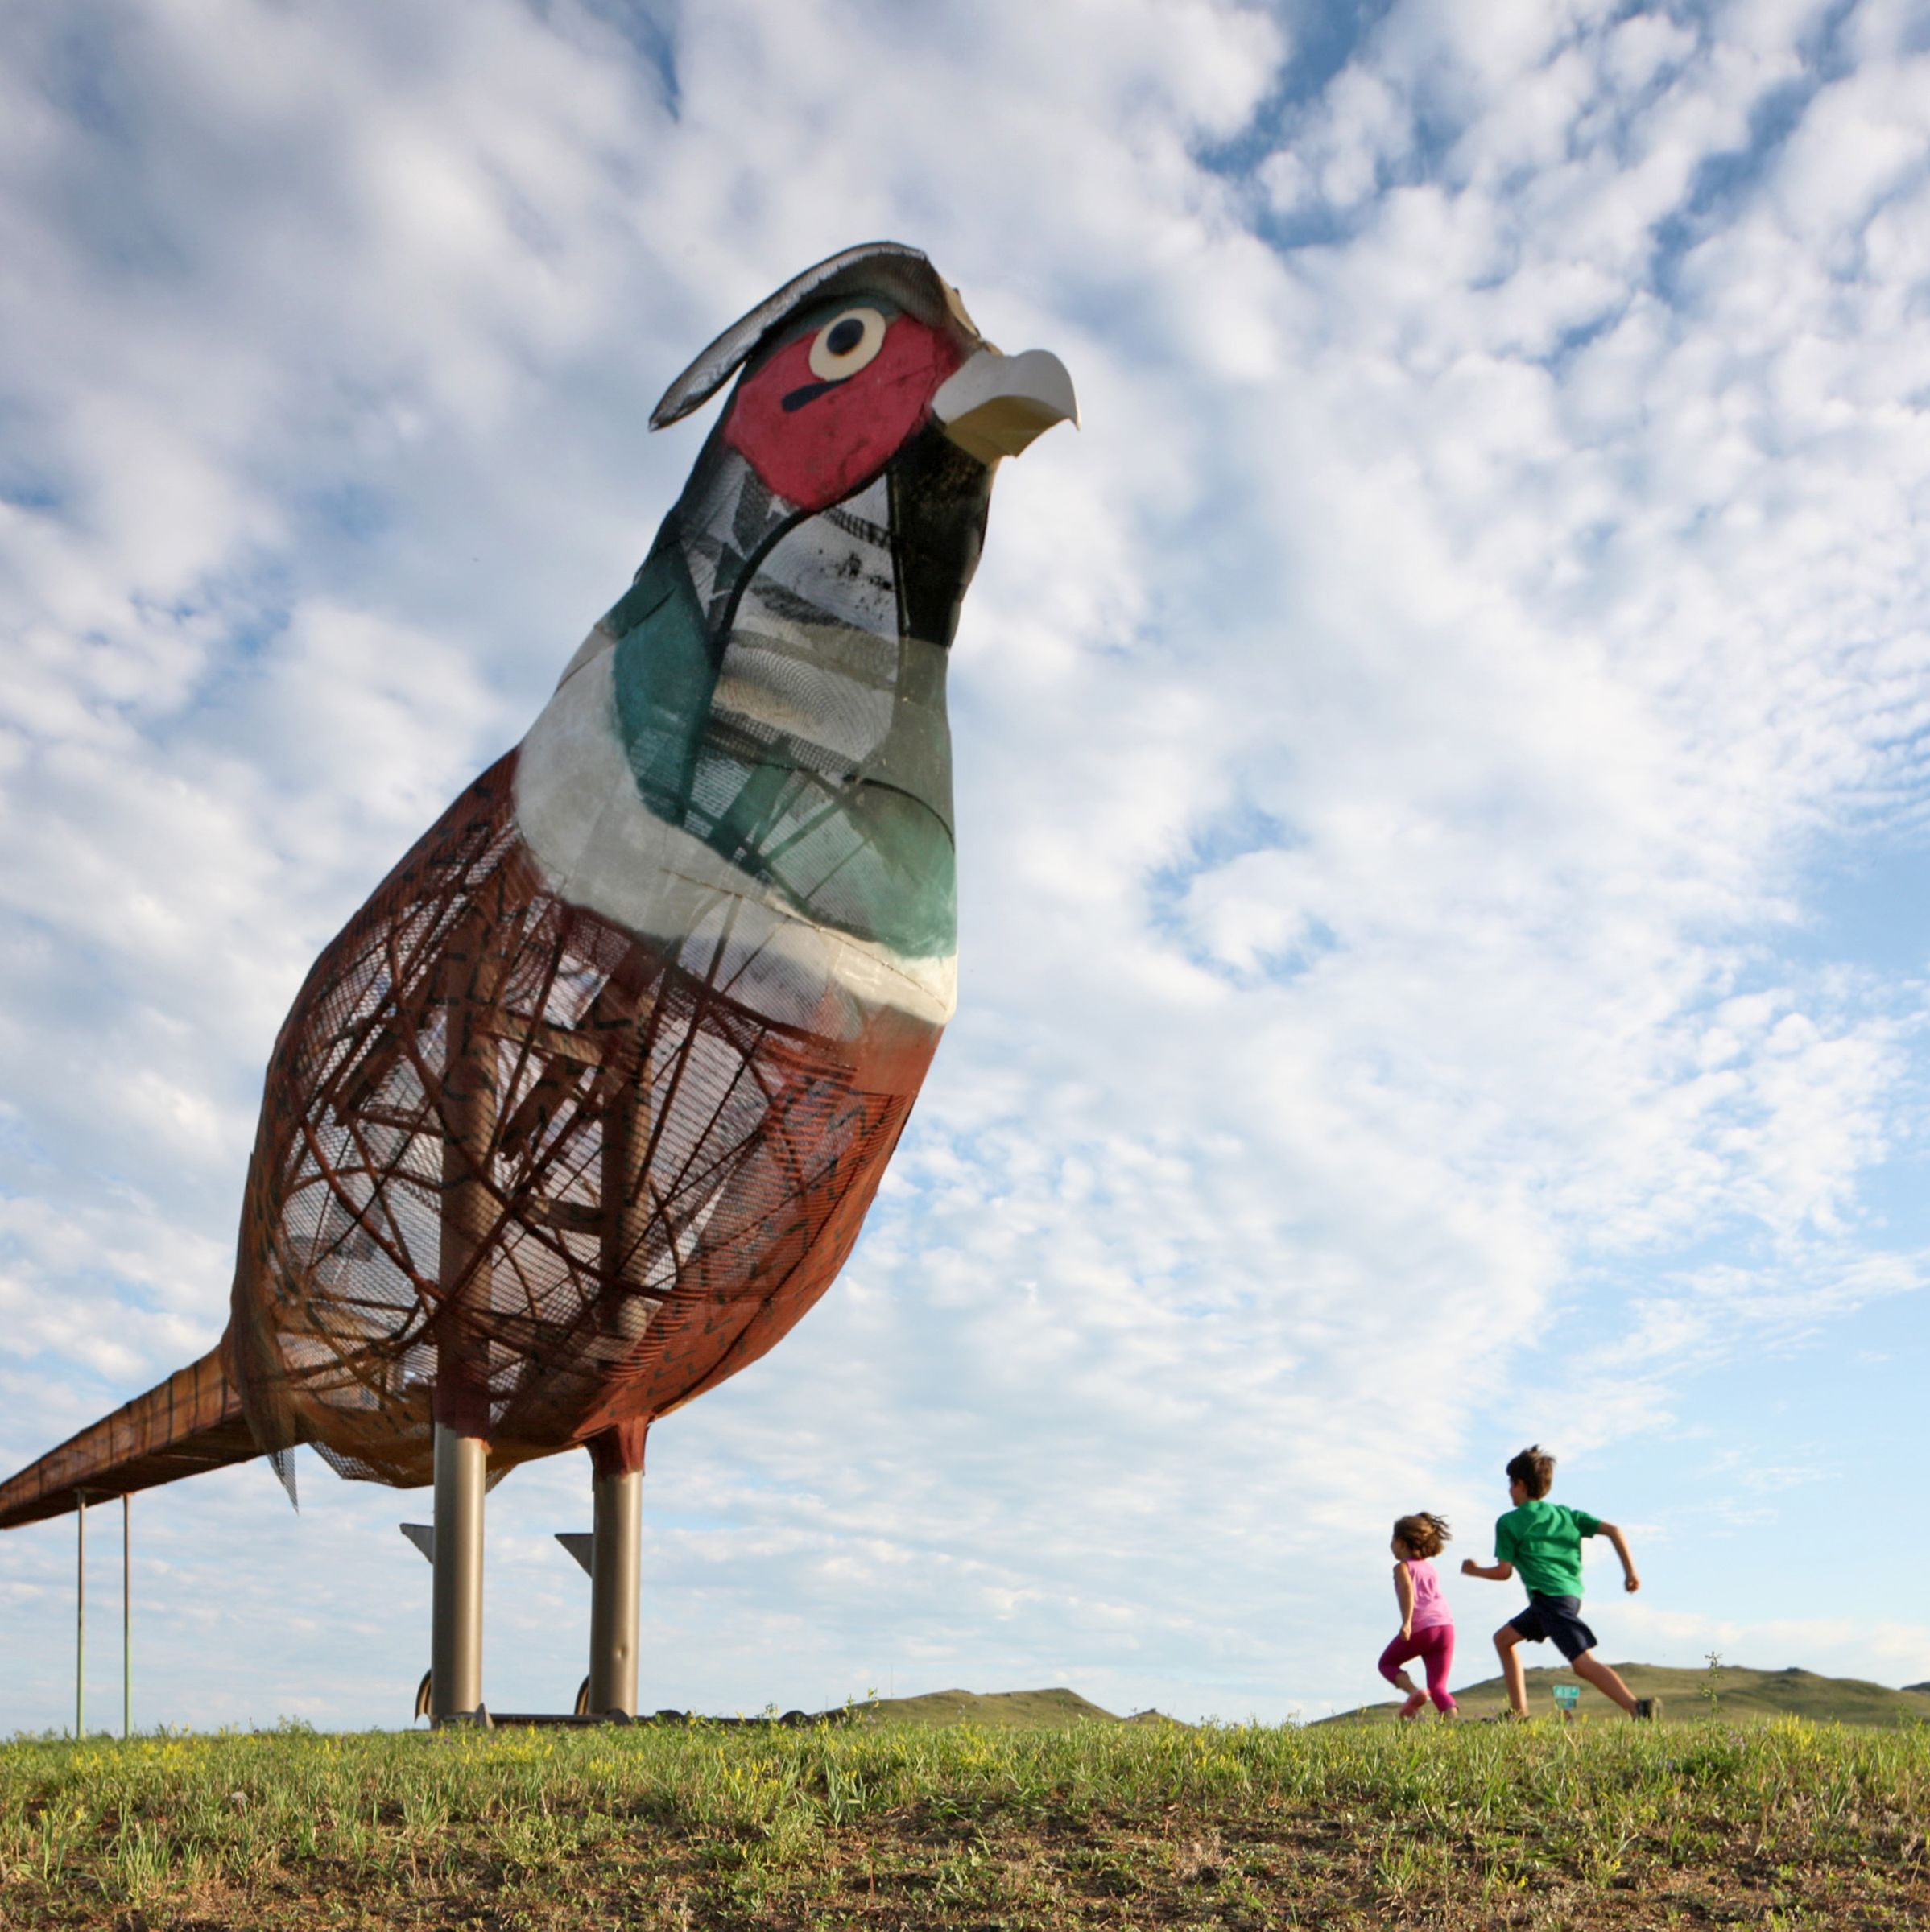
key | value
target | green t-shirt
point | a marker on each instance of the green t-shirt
(1543, 1540)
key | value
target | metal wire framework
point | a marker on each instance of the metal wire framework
(584, 1107)
(192, 1422)
(525, 1173)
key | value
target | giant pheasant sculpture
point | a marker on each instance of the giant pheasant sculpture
(584, 1109)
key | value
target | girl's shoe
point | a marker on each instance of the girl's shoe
(1413, 1707)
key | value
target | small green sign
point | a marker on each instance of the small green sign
(1567, 1698)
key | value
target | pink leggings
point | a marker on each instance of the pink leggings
(1434, 1644)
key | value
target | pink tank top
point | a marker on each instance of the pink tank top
(1430, 1606)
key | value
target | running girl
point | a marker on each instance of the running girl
(1427, 1624)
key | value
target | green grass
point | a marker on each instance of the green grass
(1775, 1824)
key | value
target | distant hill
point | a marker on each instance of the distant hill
(1738, 1692)
(996, 1707)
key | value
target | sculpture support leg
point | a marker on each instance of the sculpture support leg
(617, 1454)
(461, 1402)
(456, 1634)
(80, 1615)
(126, 1614)
(615, 1592)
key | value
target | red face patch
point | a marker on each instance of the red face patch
(813, 441)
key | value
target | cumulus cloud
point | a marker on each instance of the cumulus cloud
(1400, 743)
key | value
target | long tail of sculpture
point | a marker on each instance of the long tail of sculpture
(190, 1422)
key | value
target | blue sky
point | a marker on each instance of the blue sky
(1443, 801)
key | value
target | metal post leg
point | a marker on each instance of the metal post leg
(616, 1456)
(126, 1614)
(80, 1615)
(615, 1592)
(461, 1400)
(456, 1634)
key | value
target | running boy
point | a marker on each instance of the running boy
(1543, 1540)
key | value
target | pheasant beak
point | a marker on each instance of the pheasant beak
(994, 405)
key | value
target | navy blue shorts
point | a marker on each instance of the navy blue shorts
(1558, 1618)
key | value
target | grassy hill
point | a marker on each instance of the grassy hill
(1086, 1826)
(997, 1709)
(1737, 1692)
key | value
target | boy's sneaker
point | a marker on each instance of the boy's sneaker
(1648, 1709)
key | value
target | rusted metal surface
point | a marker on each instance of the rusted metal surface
(745, 1154)
(192, 1422)
(584, 1109)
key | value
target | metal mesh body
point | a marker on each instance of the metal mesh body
(655, 1180)
(583, 1110)
(192, 1422)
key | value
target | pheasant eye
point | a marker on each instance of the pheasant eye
(845, 344)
